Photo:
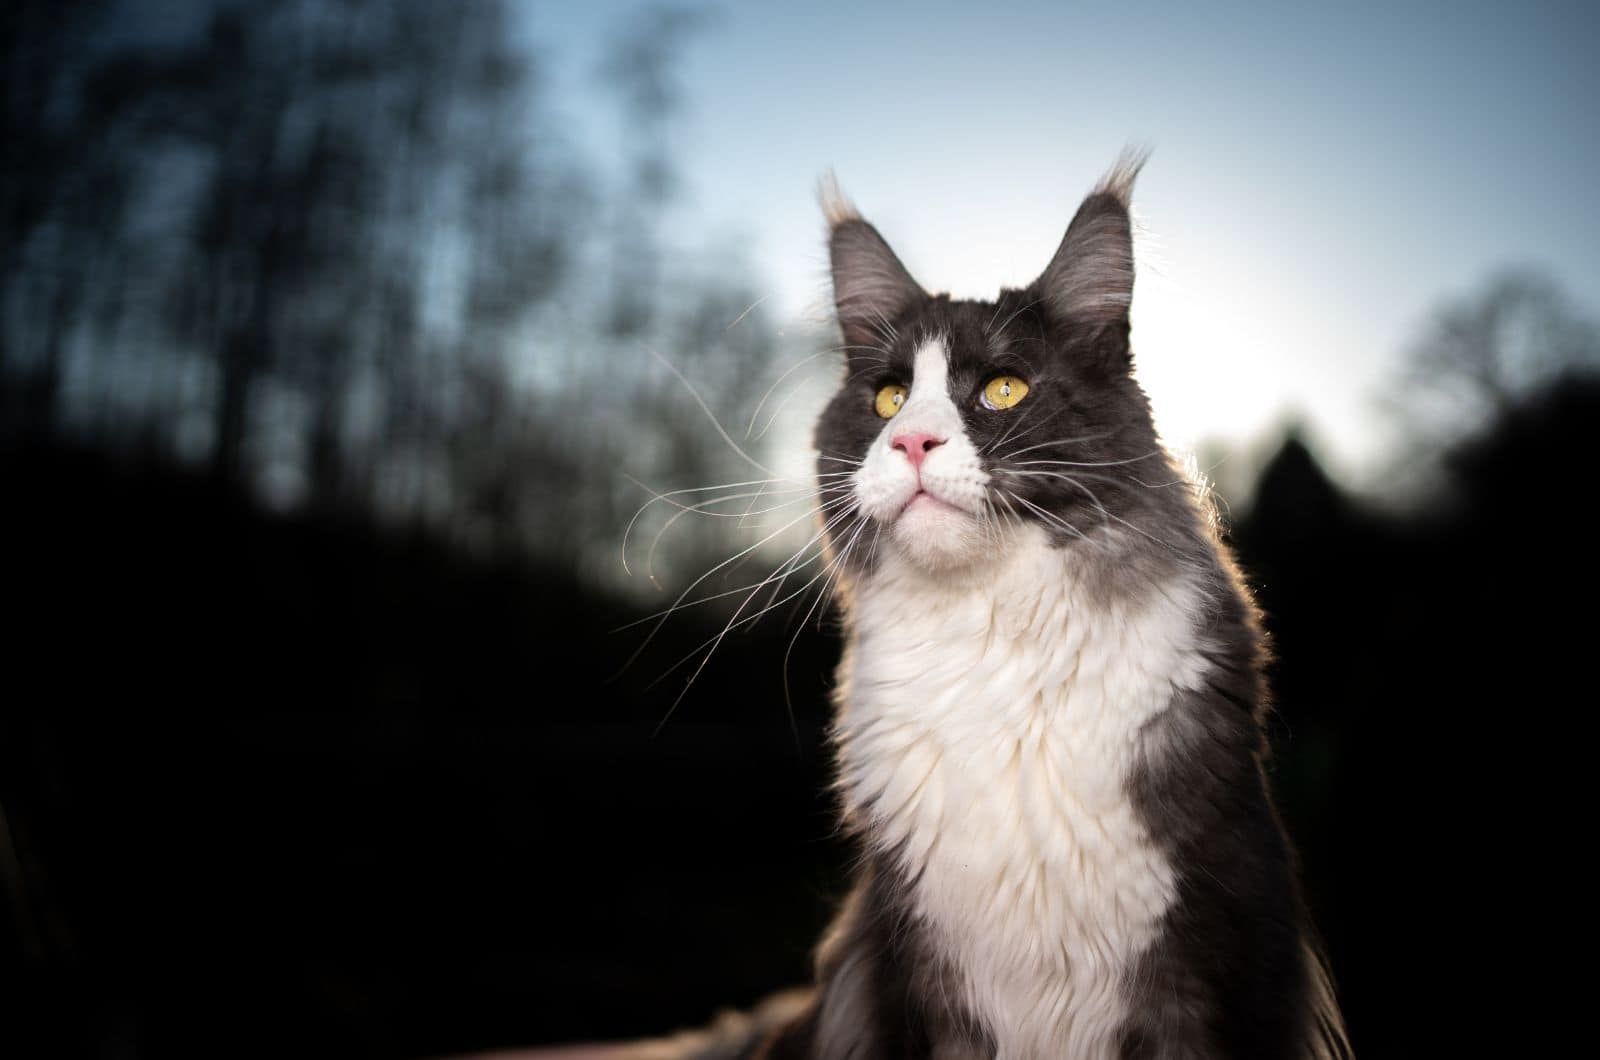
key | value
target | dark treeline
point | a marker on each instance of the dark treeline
(323, 352)
(346, 256)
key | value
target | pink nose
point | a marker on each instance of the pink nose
(916, 446)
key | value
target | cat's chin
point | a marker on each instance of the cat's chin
(937, 536)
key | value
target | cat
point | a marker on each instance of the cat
(1049, 708)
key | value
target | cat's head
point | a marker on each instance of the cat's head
(960, 422)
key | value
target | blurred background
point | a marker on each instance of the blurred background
(341, 341)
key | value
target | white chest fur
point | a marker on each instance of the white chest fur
(987, 731)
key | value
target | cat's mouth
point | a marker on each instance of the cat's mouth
(936, 533)
(927, 506)
(926, 500)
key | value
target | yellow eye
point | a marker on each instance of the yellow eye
(890, 400)
(1004, 391)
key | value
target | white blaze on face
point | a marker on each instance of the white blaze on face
(935, 514)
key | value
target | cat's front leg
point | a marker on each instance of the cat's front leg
(881, 991)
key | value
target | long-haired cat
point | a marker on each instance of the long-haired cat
(1049, 710)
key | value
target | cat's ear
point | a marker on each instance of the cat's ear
(1089, 282)
(870, 286)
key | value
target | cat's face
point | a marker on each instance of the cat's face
(960, 422)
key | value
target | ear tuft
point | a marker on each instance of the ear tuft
(870, 286)
(1090, 279)
(836, 205)
(1118, 181)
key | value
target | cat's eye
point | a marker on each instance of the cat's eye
(1003, 391)
(890, 400)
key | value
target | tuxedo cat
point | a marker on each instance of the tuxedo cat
(1049, 710)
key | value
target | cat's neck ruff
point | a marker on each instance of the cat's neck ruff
(988, 725)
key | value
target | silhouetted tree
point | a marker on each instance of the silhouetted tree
(641, 68)
(336, 252)
(1482, 353)
(55, 188)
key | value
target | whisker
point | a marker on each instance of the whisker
(747, 312)
(778, 574)
(1058, 441)
(872, 550)
(1052, 517)
(877, 365)
(1066, 478)
(832, 522)
(776, 383)
(1009, 511)
(1169, 546)
(714, 642)
(664, 497)
(821, 490)
(752, 461)
(1104, 512)
(1091, 463)
(703, 506)
(692, 585)
(790, 396)
(747, 509)
(655, 496)
(1011, 435)
(838, 567)
(1019, 312)
(888, 325)
(988, 329)
(991, 517)
(1136, 480)
(650, 557)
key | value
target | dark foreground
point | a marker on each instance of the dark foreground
(280, 786)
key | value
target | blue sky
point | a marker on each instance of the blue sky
(1322, 174)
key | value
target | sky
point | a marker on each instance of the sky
(1322, 175)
